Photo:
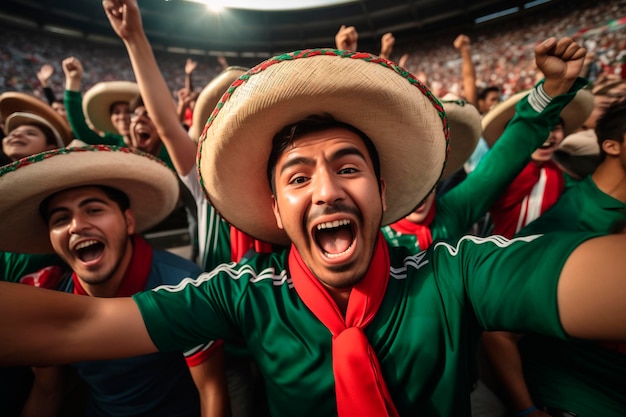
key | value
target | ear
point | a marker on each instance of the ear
(611, 147)
(130, 222)
(383, 197)
(279, 221)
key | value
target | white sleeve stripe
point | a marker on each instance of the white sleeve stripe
(538, 99)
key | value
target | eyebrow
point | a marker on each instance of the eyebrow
(81, 204)
(347, 151)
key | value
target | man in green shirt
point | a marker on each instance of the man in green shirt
(339, 323)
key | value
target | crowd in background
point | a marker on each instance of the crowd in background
(502, 57)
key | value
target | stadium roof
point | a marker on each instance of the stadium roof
(193, 27)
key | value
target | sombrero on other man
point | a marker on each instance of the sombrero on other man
(17, 109)
(405, 121)
(98, 99)
(150, 185)
(573, 115)
(465, 132)
(210, 96)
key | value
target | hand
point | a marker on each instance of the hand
(222, 61)
(185, 97)
(44, 74)
(386, 45)
(72, 68)
(403, 60)
(346, 38)
(190, 66)
(462, 42)
(561, 63)
(124, 17)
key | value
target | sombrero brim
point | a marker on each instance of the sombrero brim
(98, 99)
(150, 185)
(210, 96)
(465, 132)
(573, 115)
(406, 123)
(13, 102)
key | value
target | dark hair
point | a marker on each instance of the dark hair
(115, 103)
(311, 124)
(115, 195)
(482, 94)
(136, 102)
(611, 125)
(51, 138)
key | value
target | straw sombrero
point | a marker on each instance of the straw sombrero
(406, 123)
(210, 96)
(465, 132)
(98, 99)
(150, 185)
(579, 153)
(17, 109)
(573, 115)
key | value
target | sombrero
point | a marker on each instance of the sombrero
(210, 96)
(573, 115)
(98, 99)
(17, 109)
(150, 185)
(405, 121)
(465, 132)
(578, 154)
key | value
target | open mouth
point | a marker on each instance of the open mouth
(546, 145)
(89, 250)
(334, 238)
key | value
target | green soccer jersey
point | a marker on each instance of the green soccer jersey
(463, 205)
(17, 267)
(584, 377)
(424, 334)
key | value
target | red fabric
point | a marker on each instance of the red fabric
(359, 386)
(241, 243)
(421, 230)
(188, 117)
(202, 355)
(136, 275)
(511, 211)
(48, 277)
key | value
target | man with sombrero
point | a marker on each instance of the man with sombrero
(339, 323)
(87, 204)
(580, 378)
(541, 182)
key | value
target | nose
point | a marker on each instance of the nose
(326, 188)
(78, 224)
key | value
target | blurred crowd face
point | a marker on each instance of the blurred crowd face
(120, 118)
(23, 141)
(59, 107)
(492, 98)
(143, 133)
(544, 152)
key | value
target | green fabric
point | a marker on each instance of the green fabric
(424, 333)
(74, 106)
(579, 376)
(458, 209)
(14, 266)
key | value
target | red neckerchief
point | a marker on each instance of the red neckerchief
(359, 385)
(509, 210)
(136, 274)
(421, 230)
(241, 243)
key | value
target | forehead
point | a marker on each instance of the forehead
(76, 194)
(26, 126)
(320, 141)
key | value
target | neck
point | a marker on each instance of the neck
(109, 288)
(341, 297)
(610, 178)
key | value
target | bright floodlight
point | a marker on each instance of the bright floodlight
(217, 5)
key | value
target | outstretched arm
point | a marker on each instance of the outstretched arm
(46, 327)
(125, 19)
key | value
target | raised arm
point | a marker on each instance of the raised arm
(125, 19)
(468, 72)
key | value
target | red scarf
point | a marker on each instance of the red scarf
(534, 191)
(359, 386)
(241, 243)
(421, 230)
(136, 275)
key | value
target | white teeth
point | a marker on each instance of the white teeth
(330, 225)
(85, 244)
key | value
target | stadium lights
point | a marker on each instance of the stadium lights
(267, 5)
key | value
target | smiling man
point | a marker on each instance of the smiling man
(88, 206)
(340, 323)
